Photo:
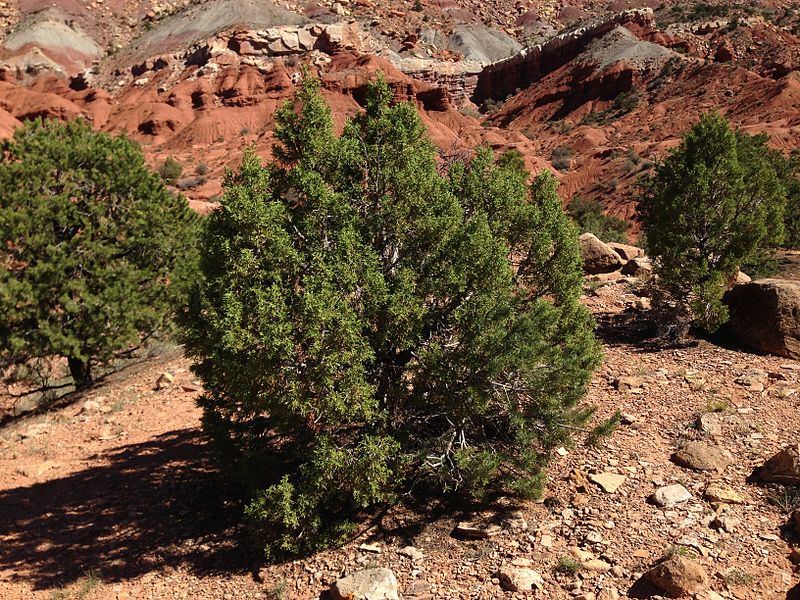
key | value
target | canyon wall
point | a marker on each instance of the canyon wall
(501, 79)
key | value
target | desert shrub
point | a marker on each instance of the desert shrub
(623, 103)
(561, 158)
(188, 183)
(491, 106)
(702, 11)
(96, 251)
(713, 205)
(170, 171)
(589, 216)
(363, 332)
(202, 169)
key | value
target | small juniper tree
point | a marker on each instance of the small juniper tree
(369, 325)
(589, 216)
(170, 170)
(711, 206)
(95, 250)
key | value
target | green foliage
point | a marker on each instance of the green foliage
(170, 171)
(624, 103)
(714, 204)
(95, 250)
(370, 325)
(734, 577)
(568, 565)
(604, 429)
(562, 157)
(787, 168)
(703, 11)
(589, 216)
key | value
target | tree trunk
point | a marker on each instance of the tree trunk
(81, 372)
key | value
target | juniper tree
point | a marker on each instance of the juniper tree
(711, 206)
(370, 326)
(95, 251)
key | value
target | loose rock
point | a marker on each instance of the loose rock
(726, 524)
(480, 531)
(671, 495)
(413, 553)
(709, 424)
(627, 383)
(609, 482)
(784, 467)
(638, 267)
(370, 584)
(724, 495)
(596, 566)
(164, 381)
(700, 456)
(519, 580)
(678, 576)
(626, 251)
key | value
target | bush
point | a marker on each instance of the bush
(787, 168)
(714, 204)
(561, 158)
(589, 216)
(95, 249)
(170, 171)
(363, 331)
(202, 169)
(188, 183)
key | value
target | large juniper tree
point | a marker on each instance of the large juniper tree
(94, 250)
(371, 325)
(713, 205)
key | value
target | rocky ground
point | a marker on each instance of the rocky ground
(114, 496)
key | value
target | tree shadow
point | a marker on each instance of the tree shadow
(62, 399)
(405, 523)
(638, 331)
(155, 504)
(630, 327)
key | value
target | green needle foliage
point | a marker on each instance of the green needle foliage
(371, 325)
(95, 251)
(713, 205)
(589, 216)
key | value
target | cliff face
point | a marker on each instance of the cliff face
(501, 79)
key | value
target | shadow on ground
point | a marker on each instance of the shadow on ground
(627, 328)
(152, 505)
(638, 331)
